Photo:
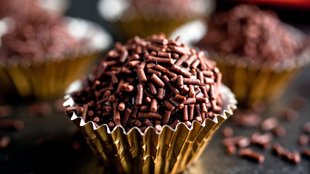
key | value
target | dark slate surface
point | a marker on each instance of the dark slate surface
(23, 155)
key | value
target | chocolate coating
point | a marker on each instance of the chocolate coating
(249, 32)
(34, 34)
(154, 93)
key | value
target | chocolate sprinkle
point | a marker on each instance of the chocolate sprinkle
(251, 155)
(150, 84)
(251, 34)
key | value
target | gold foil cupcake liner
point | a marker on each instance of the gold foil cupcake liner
(42, 80)
(147, 26)
(49, 78)
(168, 151)
(253, 82)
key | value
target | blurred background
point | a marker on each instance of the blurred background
(290, 11)
(37, 137)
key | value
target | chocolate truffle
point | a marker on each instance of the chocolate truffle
(151, 82)
(33, 33)
(147, 17)
(255, 34)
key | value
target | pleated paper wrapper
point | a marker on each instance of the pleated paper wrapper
(49, 78)
(145, 27)
(253, 82)
(168, 151)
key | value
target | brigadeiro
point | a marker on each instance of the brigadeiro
(257, 53)
(151, 105)
(146, 17)
(42, 52)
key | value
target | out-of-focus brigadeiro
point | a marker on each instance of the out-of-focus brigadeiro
(34, 33)
(252, 33)
(39, 48)
(256, 52)
(147, 17)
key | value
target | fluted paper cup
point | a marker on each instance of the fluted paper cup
(48, 78)
(253, 83)
(168, 151)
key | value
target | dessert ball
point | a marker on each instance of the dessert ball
(151, 82)
(252, 33)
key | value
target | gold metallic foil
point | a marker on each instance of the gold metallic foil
(43, 80)
(253, 83)
(49, 78)
(144, 26)
(168, 151)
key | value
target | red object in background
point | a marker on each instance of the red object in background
(304, 4)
